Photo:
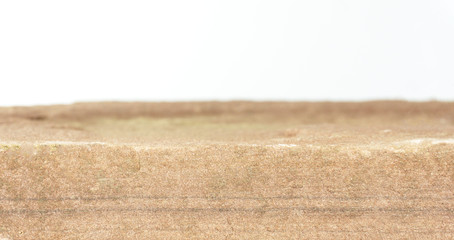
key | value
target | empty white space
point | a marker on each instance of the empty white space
(58, 51)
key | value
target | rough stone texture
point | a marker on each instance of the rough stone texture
(237, 170)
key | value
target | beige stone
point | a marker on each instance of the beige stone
(236, 170)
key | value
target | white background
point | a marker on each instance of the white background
(91, 50)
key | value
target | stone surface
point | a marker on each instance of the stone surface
(236, 170)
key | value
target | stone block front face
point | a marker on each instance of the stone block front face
(228, 170)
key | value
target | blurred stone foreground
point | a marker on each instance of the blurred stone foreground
(228, 170)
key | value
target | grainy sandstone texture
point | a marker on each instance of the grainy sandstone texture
(236, 170)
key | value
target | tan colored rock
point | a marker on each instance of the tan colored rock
(236, 170)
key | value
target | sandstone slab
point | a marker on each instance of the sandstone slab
(228, 170)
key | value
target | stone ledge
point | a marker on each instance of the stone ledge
(269, 173)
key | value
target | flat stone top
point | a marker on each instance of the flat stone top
(278, 124)
(228, 170)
